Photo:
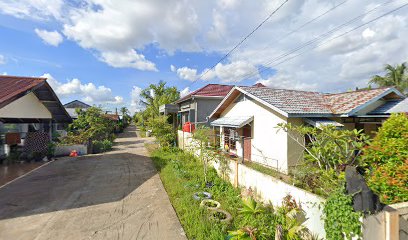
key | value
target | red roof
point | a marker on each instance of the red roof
(12, 86)
(345, 102)
(113, 117)
(210, 90)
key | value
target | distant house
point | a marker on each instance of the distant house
(247, 118)
(198, 105)
(28, 106)
(72, 106)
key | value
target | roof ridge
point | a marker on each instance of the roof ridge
(23, 77)
(358, 90)
(285, 89)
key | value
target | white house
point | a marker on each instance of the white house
(248, 116)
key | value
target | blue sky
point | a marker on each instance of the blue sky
(105, 53)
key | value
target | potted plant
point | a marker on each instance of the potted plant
(219, 215)
(202, 195)
(210, 204)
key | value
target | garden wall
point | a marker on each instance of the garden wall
(267, 188)
(271, 190)
(65, 150)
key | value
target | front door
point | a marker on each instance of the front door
(247, 134)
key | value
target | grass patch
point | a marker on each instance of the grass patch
(183, 175)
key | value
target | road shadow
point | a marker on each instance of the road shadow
(75, 183)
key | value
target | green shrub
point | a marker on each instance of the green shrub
(162, 130)
(101, 146)
(387, 160)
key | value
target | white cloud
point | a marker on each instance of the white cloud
(35, 9)
(89, 92)
(232, 72)
(187, 73)
(185, 92)
(135, 104)
(53, 38)
(2, 59)
(130, 59)
(118, 31)
(172, 68)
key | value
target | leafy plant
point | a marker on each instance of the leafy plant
(102, 146)
(328, 147)
(163, 131)
(250, 208)
(340, 219)
(394, 76)
(387, 160)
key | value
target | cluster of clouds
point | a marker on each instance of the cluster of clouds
(117, 31)
(88, 92)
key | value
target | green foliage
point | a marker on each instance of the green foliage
(152, 98)
(182, 176)
(162, 130)
(394, 76)
(102, 146)
(387, 160)
(340, 220)
(91, 124)
(329, 148)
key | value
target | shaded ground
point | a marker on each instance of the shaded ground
(116, 195)
(13, 171)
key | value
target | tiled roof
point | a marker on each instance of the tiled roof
(210, 90)
(11, 86)
(291, 101)
(304, 102)
(347, 101)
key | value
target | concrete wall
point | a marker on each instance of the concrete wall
(65, 150)
(269, 147)
(27, 106)
(271, 190)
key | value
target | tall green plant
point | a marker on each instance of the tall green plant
(387, 160)
(163, 131)
(328, 147)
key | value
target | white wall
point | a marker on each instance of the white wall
(269, 147)
(271, 190)
(27, 106)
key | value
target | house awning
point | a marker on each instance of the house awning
(321, 122)
(233, 121)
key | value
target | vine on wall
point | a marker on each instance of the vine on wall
(340, 220)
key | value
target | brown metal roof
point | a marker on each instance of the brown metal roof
(14, 87)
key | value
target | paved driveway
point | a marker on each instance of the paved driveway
(117, 195)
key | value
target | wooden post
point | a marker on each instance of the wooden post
(391, 223)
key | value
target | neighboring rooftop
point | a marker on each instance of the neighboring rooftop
(210, 90)
(15, 87)
(294, 102)
(392, 106)
(76, 104)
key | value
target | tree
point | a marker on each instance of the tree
(125, 116)
(156, 95)
(394, 76)
(152, 98)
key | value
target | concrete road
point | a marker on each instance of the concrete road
(116, 195)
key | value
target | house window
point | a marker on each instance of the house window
(230, 138)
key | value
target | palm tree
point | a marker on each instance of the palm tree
(394, 76)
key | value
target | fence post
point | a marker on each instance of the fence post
(236, 174)
(391, 223)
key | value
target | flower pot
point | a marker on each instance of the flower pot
(202, 195)
(219, 215)
(210, 204)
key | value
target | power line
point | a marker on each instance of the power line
(308, 22)
(240, 42)
(316, 39)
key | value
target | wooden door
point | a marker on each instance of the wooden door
(247, 149)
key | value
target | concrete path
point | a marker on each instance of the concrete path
(116, 195)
